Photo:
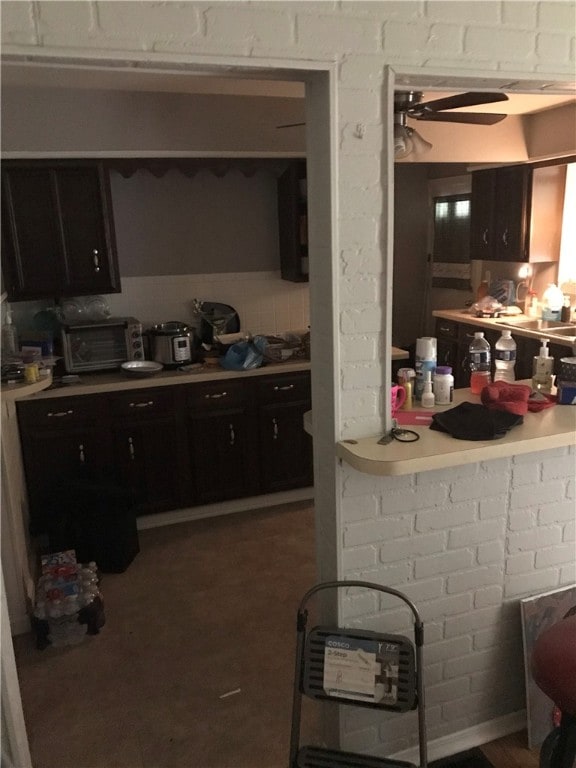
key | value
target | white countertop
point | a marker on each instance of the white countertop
(116, 381)
(462, 316)
(552, 428)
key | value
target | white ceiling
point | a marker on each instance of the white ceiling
(30, 75)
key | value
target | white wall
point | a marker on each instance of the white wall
(493, 42)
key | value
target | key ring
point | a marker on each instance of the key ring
(402, 435)
(405, 435)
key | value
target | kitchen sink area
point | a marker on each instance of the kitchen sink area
(551, 327)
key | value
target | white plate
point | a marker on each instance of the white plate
(141, 367)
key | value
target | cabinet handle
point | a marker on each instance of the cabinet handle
(147, 404)
(81, 451)
(485, 237)
(275, 430)
(444, 329)
(96, 260)
(216, 396)
(59, 414)
(281, 389)
(131, 448)
(505, 237)
(232, 435)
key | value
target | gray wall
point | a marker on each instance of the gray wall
(68, 121)
(177, 225)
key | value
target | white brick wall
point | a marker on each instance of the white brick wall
(465, 564)
(484, 39)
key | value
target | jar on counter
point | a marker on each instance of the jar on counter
(443, 385)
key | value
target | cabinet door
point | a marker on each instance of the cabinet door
(222, 456)
(89, 252)
(57, 230)
(221, 434)
(32, 259)
(64, 441)
(511, 213)
(147, 446)
(293, 224)
(146, 463)
(285, 447)
(482, 234)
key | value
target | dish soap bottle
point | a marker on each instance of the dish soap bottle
(542, 369)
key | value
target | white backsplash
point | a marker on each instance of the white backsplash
(264, 302)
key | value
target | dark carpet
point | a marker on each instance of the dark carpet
(472, 758)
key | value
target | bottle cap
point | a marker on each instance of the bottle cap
(507, 334)
(478, 334)
(444, 370)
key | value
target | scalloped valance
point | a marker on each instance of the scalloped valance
(190, 166)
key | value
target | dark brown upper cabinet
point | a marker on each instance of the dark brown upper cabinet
(57, 230)
(293, 223)
(516, 213)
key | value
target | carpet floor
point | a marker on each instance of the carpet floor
(205, 609)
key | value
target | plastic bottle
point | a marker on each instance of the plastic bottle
(443, 385)
(505, 357)
(543, 369)
(9, 336)
(553, 300)
(427, 394)
(565, 312)
(479, 353)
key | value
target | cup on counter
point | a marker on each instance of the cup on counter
(397, 398)
(479, 380)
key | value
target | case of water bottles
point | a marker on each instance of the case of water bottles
(68, 605)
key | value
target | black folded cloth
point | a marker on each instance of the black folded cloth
(471, 421)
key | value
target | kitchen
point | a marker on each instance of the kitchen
(218, 296)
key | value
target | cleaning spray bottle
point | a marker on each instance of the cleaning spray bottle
(542, 369)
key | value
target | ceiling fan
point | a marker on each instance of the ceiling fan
(409, 104)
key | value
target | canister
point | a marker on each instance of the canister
(425, 361)
(443, 385)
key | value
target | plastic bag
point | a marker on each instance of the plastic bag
(245, 355)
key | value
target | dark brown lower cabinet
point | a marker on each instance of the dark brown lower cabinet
(65, 441)
(285, 448)
(220, 430)
(172, 446)
(145, 454)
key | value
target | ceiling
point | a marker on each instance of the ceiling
(17, 74)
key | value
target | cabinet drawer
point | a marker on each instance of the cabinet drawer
(218, 395)
(285, 388)
(62, 412)
(138, 403)
(446, 328)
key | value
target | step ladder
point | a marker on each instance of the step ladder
(362, 668)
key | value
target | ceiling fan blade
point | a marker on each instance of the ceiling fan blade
(470, 99)
(478, 118)
(290, 125)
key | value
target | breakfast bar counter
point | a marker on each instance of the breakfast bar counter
(553, 427)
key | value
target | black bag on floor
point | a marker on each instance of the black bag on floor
(98, 521)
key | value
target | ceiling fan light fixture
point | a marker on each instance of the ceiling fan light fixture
(419, 144)
(403, 144)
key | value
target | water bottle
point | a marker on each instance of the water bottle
(479, 354)
(505, 357)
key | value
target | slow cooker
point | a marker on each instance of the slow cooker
(172, 343)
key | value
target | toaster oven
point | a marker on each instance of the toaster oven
(101, 345)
